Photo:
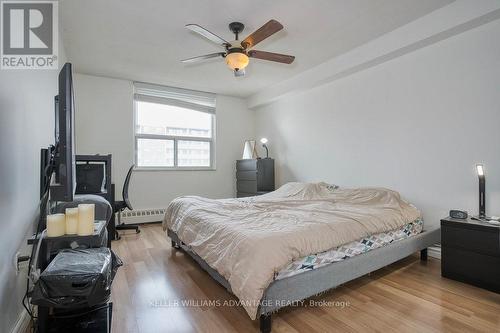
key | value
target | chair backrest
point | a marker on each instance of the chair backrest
(90, 178)
(125, 187)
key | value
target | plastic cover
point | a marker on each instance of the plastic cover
(77, 278)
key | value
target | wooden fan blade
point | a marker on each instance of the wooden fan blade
(203, 57)
(262, 33)
(283, 58)
(207, 34)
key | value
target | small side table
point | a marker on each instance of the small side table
(471, 252)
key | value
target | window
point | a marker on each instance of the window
(174, 128)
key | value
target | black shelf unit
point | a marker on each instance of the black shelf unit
(254, 177)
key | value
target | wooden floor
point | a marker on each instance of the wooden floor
(408, 296)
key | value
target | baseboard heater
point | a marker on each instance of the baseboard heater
(143, 215)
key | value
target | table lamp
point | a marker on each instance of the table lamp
(482, 194)
(264, 141)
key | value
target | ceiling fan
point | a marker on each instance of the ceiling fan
(237, 53)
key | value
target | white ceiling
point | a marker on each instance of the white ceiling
(144, 40)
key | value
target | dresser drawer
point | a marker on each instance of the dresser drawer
(246, 175)
(470, 267)
(246, 186)
(484, 240)
(246, 165)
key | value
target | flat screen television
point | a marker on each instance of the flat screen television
(63, 183)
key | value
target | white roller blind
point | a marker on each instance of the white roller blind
(190, 99)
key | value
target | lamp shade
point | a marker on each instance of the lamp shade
(480, 170)
(237, 60)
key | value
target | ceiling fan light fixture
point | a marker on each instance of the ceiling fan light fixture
(237, 53)
(237, 60)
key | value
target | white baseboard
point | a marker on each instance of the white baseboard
(22, 323)
(435, 252)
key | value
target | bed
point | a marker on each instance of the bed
(298, 241)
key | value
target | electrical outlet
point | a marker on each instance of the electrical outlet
(16, 266)
(23, 265)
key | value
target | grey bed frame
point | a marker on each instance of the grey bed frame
(302, 286)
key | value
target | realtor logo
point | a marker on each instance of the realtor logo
(29, 34)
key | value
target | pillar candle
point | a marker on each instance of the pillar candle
(71, 221)
(56, 225)
(86, 219)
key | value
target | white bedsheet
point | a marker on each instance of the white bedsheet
(248, 240)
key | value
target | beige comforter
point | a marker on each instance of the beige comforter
(248, 240)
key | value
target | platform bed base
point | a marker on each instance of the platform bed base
(310, 283)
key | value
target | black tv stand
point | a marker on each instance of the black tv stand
(48, 248)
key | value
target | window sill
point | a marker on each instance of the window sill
(174, 169)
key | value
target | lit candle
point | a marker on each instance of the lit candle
(71, 221)
(86, 219)
(56, 225)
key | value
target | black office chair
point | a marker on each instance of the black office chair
(122, 205)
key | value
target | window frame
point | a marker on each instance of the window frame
(175, 139)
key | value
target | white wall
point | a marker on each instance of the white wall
(417, 124)
(26, 126)
(104, 123)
